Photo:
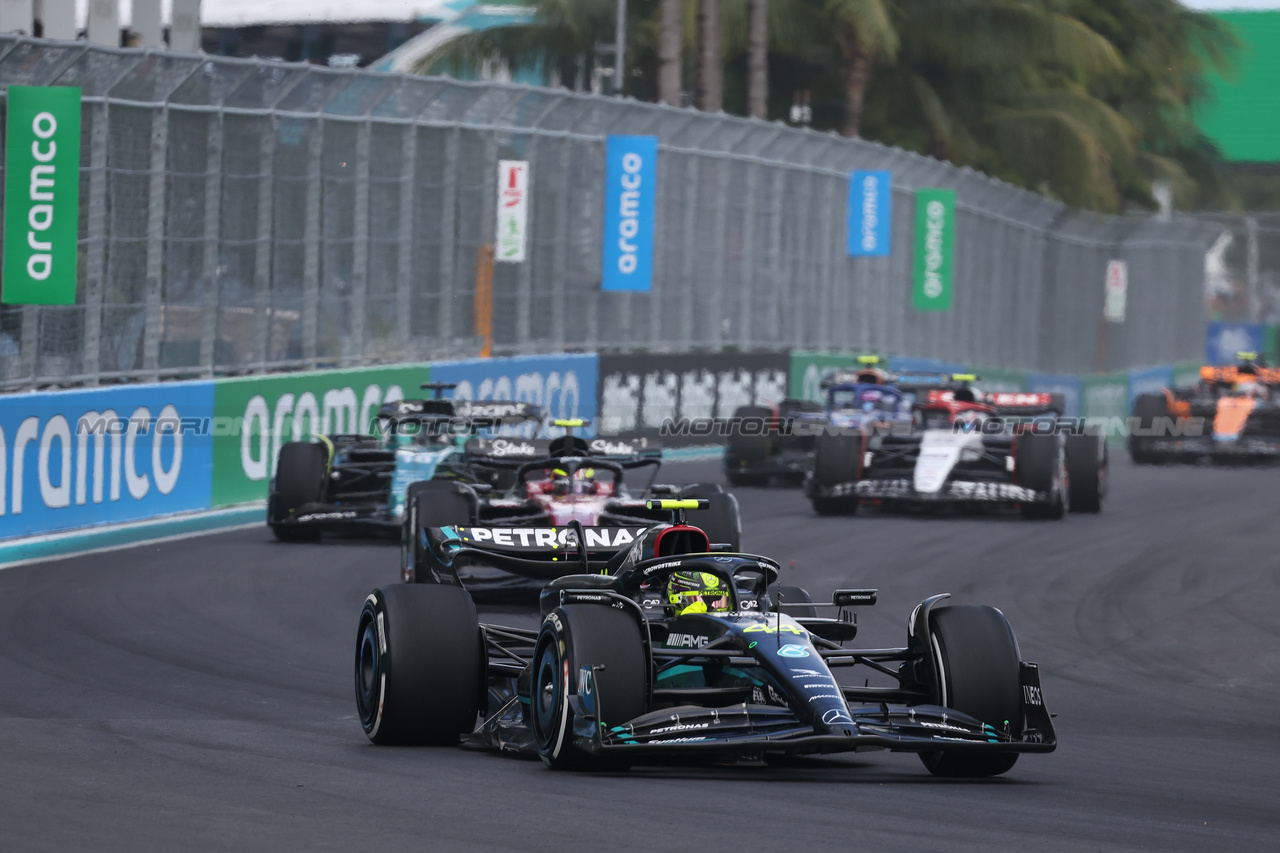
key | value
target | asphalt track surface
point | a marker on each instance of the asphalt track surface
(198, 695)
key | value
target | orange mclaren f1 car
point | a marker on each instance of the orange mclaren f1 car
(1232, 413)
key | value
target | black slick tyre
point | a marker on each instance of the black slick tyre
(574, 636)
(750, 447)
(720, 521)
(1041, 468)
(419, 666)
(1087, 472)
(301, 470)
(429, 503)
(837, 463)
(976, 657)
(1149, 410)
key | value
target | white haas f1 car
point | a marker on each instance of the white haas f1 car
(965, 448)
(623, 670)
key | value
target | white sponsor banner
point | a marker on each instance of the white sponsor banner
(1117, 290)
(513, 211)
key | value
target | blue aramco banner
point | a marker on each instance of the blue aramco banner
(870, 219)
(631, 179)
(78, 458)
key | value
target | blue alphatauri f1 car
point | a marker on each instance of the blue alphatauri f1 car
(666, 648)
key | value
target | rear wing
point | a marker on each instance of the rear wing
(623, 451)
(456, 417)
(1024, 403)
(535, 552)
(1016, 404)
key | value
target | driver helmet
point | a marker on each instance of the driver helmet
(697, 592)
(561, 484)
(586, 478)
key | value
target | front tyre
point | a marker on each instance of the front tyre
(977, 662)
(429, 503)
(1087, 471)
(419, 665)
(1041, 467)
(301, 470)
(585, 635)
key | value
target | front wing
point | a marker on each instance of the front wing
(748, 729)
(953, 491)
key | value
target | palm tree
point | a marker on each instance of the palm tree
(670, 50)
(710, 69)
(758, 58)
(864, 32)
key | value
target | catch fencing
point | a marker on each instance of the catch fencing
(242, 216)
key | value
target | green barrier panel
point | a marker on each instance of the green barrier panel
(1106, 398)
(1269, 349)
(808, 369)
(255, 415)
(1186, 374)
(995, 379)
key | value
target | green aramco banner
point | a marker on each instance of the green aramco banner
(935, 249)
(41, 195)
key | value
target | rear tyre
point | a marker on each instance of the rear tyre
(585, 635)
(720, 521)
(976, 658)
(747, 454)
(301, 470)
(419, 672)
(1087, 471)
(837, 462)
(1148, 410)
(1042, 468)
(429, 503)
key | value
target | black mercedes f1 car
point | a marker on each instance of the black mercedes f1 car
(615, 676)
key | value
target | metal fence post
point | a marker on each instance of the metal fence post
(747, 286)
(689, 253)
(96, 250)
(360, 243)
(155, 242)
(524, 269)
(404, 268)
(448, 237)
(715, 304)
(311, 246)
(262, 315)
(212, 236)
(560, 250)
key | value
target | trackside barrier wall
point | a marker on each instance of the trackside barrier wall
(241, 216)
(76, 459)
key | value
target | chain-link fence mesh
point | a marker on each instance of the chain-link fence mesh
(242, 216)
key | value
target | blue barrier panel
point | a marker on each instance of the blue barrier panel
(1223, 340)
(79, 458)
(907, 364)
(1070, 387)
(564, 385)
